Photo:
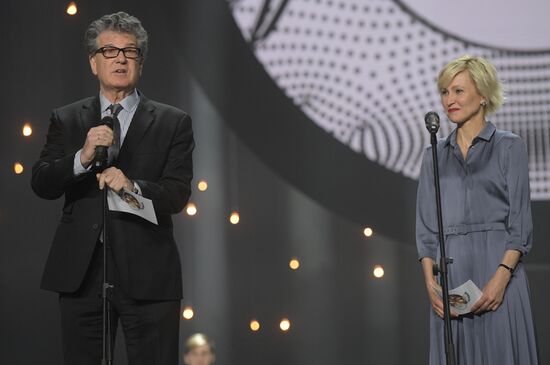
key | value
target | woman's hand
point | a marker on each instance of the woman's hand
(434, 293)
(434, 290)
(493, 292)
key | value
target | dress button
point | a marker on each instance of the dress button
(95, 226)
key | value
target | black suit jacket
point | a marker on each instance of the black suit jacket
(156, 154)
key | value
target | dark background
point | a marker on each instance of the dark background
(299, 194)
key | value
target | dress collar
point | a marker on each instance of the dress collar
(486, 134)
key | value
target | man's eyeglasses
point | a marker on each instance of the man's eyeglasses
(113, 52)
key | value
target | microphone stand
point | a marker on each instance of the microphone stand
(107, 337)
(441, 269)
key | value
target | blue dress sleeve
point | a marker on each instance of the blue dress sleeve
(516, 172)
(426, 218)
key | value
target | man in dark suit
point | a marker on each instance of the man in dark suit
(151, 156)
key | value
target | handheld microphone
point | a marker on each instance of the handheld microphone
(432, 121)
(101, 154)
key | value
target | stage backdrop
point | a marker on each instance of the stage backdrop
(308, 117)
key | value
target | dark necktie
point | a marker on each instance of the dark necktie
(115, 148)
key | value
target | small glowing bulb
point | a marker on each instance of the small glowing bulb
(18, 168)
(284, 325)
(188, 313)
(191, 209)
(71, 8)
(27, 130)
(202, 185)
(368, 232)
(254, 325)
(378, 271)
(294, 264)
(234, 218)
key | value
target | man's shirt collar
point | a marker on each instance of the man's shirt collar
(129, 103)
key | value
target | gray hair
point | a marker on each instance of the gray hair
(118, 22)
(196, 340)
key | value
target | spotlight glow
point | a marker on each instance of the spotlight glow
(294, 264)
(71, 8)
(378, 271)
(368, 232)
(18, 168)
(254, 325)
(202, 185)
(235, 217)
(284, 325)
(188, 313)
(27, 130)
(191, 209)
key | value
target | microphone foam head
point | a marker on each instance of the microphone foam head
(432, 121)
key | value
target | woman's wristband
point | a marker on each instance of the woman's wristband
(507, 268)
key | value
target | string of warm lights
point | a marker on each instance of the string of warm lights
(284, 325)
(294, 263)
(18, 167)
(255, 325)
(192, 210)
(188, 313)
(234, 218)
(368, 232)
(378, 271)
(202, 185)
(26, 131)
(72, 9)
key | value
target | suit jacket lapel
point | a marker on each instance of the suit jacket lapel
(90, 115)
(142, 120)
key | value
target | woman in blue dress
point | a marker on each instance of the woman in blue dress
(487, 223)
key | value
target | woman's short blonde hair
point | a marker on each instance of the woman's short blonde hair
(484, 75)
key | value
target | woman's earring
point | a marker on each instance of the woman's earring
(483, 103)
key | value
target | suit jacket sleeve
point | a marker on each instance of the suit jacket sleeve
(53, 173)
(171, 191)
